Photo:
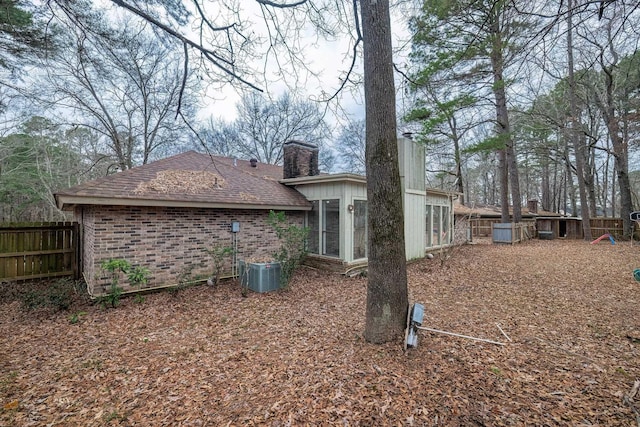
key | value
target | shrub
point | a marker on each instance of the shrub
(112, 297)
(218, 255)
(292, 250)
(137, 277)
(114, 267)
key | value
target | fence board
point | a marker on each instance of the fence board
(39, 250)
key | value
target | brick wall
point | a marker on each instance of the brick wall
(170, 242)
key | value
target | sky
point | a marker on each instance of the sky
(327, 59)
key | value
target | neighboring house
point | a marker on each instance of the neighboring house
(164, 215)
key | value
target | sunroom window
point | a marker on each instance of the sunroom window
(331, 227)
(324, 227)
(359, 229)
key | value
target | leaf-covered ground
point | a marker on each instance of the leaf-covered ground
(207, 356)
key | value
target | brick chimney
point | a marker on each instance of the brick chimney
(532, 205)
(300, 159)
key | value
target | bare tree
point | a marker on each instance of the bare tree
(263, 126)
(125, 86)
(219, 137)
(614, 92)
(352, 147)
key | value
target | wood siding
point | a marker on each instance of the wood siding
(415, 226)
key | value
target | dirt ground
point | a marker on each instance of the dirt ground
(203, 356)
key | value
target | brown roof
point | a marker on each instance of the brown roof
(190, 179)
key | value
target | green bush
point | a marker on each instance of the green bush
(137, 277)
(292, 250)
(112, 297)
(218, 255)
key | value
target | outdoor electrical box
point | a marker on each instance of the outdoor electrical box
(415, 319)
(235, 226)
(417, 314)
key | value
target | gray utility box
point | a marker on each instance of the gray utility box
(259, 276)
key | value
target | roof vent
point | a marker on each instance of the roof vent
(254, 163)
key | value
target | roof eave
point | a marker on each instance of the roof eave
(68, 202)
(316, 179)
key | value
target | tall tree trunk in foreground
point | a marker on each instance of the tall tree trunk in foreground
(387, 299)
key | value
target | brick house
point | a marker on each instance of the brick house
(163, 215)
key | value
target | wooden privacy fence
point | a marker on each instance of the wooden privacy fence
(568, 227)
(600, 226)
(39, 250)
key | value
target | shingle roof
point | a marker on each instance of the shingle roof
(190, 179)
(494, 211)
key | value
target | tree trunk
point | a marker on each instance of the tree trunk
(546, 185)
(575, 137)
(591, 177)
(510, 163)
(569, 188)
(387, 298)
(458, 160)
(504, 186)
(614, 205)
(618, 143)
(620, 156)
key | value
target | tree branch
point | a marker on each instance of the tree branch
(209, 54)
(281, 6)
(354, 54)
(184, 79)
